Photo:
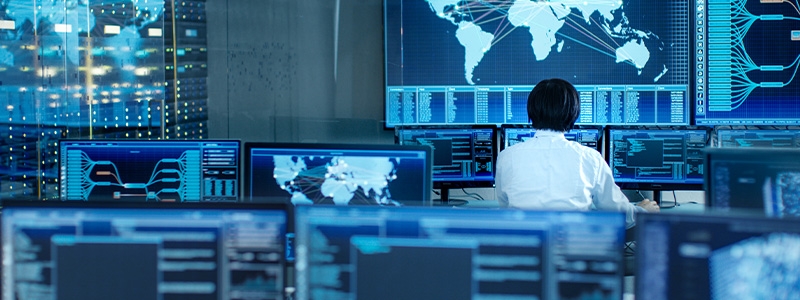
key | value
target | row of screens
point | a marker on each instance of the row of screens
(217, 251)
(700, 62)
(208, 170)
(639, 158)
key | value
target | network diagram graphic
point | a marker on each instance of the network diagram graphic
(142, 171)
(171, 179)
(752, 60)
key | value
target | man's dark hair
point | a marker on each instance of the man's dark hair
(553, 104)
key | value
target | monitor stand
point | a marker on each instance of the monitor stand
(657, 199)
(444, 199)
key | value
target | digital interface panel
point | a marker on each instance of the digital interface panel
(133, 252)
(475, 62)
(692, 257)
(441, 253)
(586, 137)
(746, 60)
(755, 179)
(149, 171)
(338, 174)
(460, 156)
(758, 138)
(657, 156)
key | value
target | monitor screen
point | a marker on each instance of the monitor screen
(451, 62)
(716, 257)
(657, 159)
(729, 138)
(746, 63)
(337, 174)
(586, 137)
(462, 157)
(445, 253)
(149, 171)
(96, 250)
(765, 180)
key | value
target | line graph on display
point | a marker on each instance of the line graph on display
(170, 180)
(733, 73)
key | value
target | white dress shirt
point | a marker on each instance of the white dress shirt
(550, 172)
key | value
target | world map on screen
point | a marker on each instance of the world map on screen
(543, 21)
(344, 180)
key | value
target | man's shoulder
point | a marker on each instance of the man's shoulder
(586, 152)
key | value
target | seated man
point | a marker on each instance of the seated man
(549, 172)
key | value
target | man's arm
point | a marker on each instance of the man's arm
(608, 196)
(499, 193)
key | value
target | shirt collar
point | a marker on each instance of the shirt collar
(545, 133)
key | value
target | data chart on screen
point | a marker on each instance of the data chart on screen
(758, 138)
(657, 156)
(462, 156)
(149, 171)
(747, 55)
(587, 137)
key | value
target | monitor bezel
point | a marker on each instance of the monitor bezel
(450, 215)
(289, 225)
(653, 185)
(458, 184)
(101, 141)
(741, 218)
(690, 97)
(743, 154)
(249, 146)
(726, 130)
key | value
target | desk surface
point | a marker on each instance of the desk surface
(668, 208)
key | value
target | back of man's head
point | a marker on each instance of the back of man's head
(553, 104)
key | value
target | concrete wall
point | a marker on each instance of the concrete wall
(296, 70)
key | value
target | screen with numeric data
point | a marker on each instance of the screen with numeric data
(341, 174)
(765, 180)
(760, 138)
(747, 56)
(461, 156)
(134, 250)
(716, 257)
(650, 157)
(142, 170)
(586, 137)
(453, 62)
(444, 253)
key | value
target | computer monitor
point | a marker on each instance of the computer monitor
(650, 159)
(705, 256)
(149, 170)
(341, 174)
(445, 253)
(745, 63)
(588, 137)
(764, 180)
(475, 62)
(462, 157)
(136, 250)
(764, 138)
